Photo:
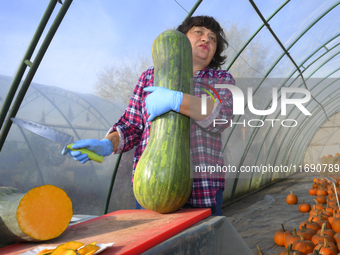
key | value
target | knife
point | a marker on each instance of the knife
(56, 136)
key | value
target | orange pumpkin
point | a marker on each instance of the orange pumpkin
(314, 211)
(312, 191)
(321, 199)
(325, 248)
(336, 225)
(332, 201)
(310, 224)
(280, 236)
(318, 205)
(290, 251)
(303, 246)
(327, 231)
(291, 199)
(329, 156)
(321, 192)
(320, 237)
(307, 233)
(291, 238)
(337, 237)
(329, 209)
(304, 207)
(320, 222)
(335, 215)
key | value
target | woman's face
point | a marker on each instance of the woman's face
(203, 44)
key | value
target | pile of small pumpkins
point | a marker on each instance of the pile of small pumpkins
(320, 234)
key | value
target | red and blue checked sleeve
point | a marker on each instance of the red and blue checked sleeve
(131, 125)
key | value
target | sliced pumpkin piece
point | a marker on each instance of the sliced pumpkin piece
(73, 245)
(87, 249)
(64, 251)
(58, 250)
(45, 252)
(90, 253)
(44, 212)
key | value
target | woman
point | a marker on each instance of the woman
(133, 128)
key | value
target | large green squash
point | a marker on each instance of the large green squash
(162, 180)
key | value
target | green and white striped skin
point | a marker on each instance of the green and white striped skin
(162, 180)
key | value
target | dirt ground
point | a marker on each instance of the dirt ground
(258, 216)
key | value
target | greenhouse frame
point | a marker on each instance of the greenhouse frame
(64, 65)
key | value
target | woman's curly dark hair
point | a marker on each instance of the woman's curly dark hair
(209, 23)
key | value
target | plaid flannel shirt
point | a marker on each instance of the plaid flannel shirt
(205, 141)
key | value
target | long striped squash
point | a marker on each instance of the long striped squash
(162, 180)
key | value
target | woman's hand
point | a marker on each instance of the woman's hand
(162, 100)
(102, 147)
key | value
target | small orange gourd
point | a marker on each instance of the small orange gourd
(312, 191)
(321, 199)
(280, 236)
(325, 248)
(303, 246)
(304, 207)
(291, 199)
(291, 238)
(336, 225)
(320, 237)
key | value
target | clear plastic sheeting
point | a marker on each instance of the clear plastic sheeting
(93, 63)
(28, 160)
(214, 235)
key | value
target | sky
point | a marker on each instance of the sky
(95, 34)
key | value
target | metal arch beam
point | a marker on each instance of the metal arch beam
(193, 9)
(313, 133)
(272, 142)
(282, 55)
(309, 66)
(320, 91)
(115, 170)
(28, 54)
(252, 137)
(33, 68)
(255, 33)
(90, 106)
(69, 123)
(295, 134)
(323, 54)
(303, 127)
(293, 43)
(251, 140)
(297, 117)
(317, 95)
(306, 122)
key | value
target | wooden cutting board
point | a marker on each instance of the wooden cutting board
(133, 231)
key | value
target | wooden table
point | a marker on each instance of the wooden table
(133, 231)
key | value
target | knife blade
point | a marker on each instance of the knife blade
(56, 136)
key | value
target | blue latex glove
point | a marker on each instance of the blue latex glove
(162, 100)
(102, 147)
